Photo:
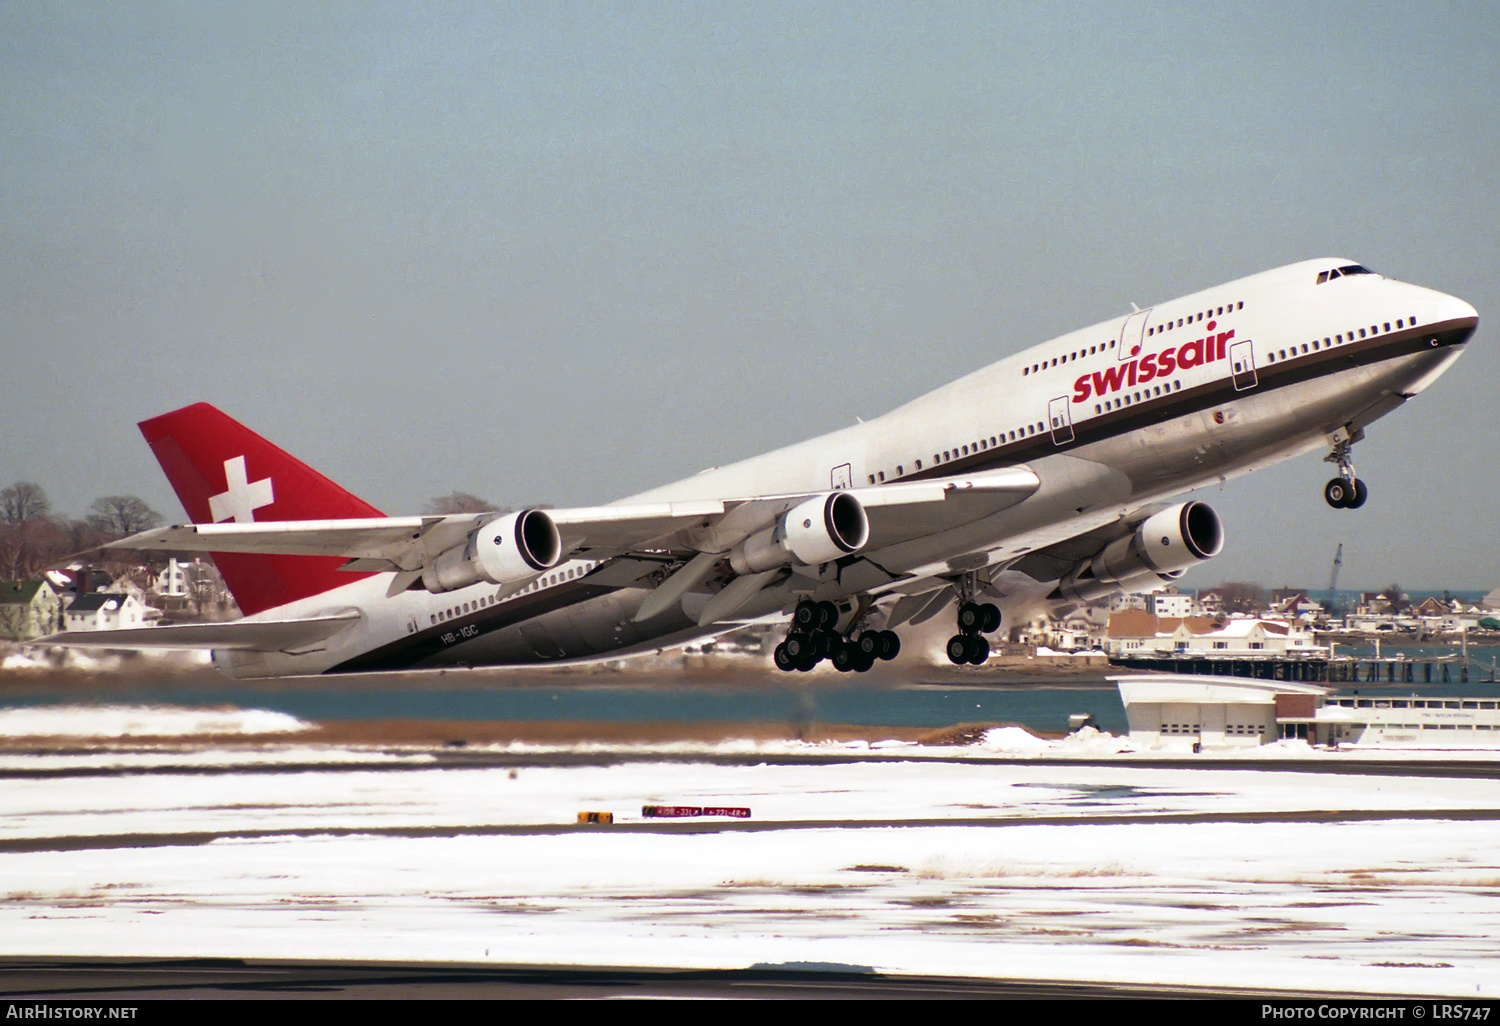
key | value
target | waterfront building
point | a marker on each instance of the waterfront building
(1173, 711)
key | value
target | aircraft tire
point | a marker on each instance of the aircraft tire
(1361, 493)
(958, 649)
(991, 617)
(970, 618)
(807, 616)
(979, 650)
(890, 645)
(1339, 493)
(830, 615)
(799, 646)
(870, 644)
(783, 659)
(863, 661)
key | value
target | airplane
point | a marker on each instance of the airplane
(1043, 480)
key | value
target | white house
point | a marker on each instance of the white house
(105, 611)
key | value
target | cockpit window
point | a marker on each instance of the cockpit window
(1340, 272)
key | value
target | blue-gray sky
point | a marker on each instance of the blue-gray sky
(560, 253)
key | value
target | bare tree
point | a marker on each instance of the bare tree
(30, 546)
(460, 502)
(122, 515)
(22, 502)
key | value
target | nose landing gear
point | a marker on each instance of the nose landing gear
(1345, 491)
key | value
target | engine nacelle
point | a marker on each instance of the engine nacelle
(813, 532)
(505, 550)
(1160, 550)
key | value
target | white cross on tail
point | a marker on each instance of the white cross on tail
(243, 498)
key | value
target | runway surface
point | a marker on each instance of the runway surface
(897, 869)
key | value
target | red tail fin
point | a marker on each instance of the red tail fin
(221, 470)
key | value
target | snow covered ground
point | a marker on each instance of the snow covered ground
(1010, 869)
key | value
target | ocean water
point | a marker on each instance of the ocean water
(914, 706)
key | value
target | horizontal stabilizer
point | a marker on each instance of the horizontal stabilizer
(248, 635)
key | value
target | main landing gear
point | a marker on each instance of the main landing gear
(1345, 491)
(974, 621)
(814, 636)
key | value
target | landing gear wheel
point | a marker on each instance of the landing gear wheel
(979, 650)
(890, 645)
(830, 615)
(807, 616)
(784, 661)
(971, 618)
(843, 657)
(801, 646)
(1339, 493)
(958, 649)
(1361, 493)
(991, 617)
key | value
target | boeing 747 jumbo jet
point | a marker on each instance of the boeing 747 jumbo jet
(1043, 479)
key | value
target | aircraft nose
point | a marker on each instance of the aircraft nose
(1451, 308)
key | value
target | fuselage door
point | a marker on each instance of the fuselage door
(1242, 365)
(1060, 420)
(841, 476)
(1131, 334)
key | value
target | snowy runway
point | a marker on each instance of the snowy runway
(309, 863)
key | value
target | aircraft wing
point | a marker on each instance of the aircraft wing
(897, 512)
(258, 635)
(407, 543)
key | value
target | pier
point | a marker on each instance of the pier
(1385, 670)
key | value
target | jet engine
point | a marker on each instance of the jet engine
(816, 531)
(1161, 549)
(505, 550)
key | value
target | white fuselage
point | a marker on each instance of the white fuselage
(1110, 418)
